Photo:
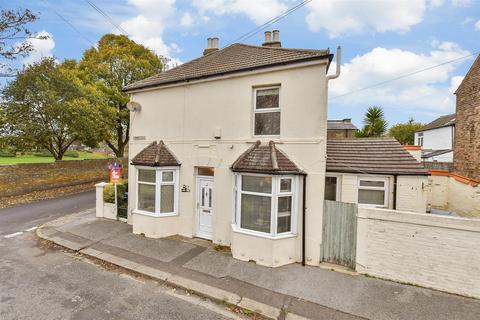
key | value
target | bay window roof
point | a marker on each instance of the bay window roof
(267, 159)
(155, 155)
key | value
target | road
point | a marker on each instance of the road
(39, 282)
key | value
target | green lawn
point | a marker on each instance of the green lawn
(35, 159)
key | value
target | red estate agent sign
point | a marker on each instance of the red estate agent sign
(115, 173)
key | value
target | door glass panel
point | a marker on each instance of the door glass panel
(166, 198)
(146, 197)
(331, 188)
(256, 213)
(257, 184)
(210, 197)
(146, 175)
(203, 197)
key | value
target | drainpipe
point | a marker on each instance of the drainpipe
(395, 177)
(339, 63)
(304, 209)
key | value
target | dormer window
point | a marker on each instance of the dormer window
(266, 112)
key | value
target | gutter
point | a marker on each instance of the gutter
(338, 65)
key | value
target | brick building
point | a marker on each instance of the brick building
(467, 138)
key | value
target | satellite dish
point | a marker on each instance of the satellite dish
(134, 106)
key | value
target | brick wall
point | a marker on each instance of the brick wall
(432, 251)
(24, 178)
(467, 125)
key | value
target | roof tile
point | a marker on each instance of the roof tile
(155, 155)
(440, 122)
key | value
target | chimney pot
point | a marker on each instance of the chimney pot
(209, 43)
(275, 42)
(212, 46)
(215, 43)
(276, 36)
(268, 36)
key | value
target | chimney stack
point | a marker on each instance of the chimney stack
(275, 42)
(212, 46)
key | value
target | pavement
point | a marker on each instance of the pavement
(41, 282)
(289, 292)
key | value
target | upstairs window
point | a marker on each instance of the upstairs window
(420, 139)
(266, 115)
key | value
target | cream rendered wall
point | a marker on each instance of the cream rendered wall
(412, 191)
(429, 250)
(186, 118)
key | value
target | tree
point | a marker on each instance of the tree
(114, 63)
(49, 106)
(405, 132)
(374, 123)
(14, 34)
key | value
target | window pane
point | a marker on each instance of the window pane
(331, 188)
(256, 213)
(146, 175)
(205, 172)
(267, 123)
(376, 197)
(285, 185)
(284, 214)
(267, 98)
(167, 176)
(378, 184)
(257, 184)
(146, 197)
(166, 199)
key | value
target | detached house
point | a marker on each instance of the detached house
(437, 139)
(231, 147)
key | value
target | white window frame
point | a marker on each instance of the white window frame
(268, 110)
(385, 189)
(158, 183)
(420, 139)
(236, 225)
(339, 185)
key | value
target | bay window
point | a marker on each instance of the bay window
(266, 204)
(372, 192)
(157, 191)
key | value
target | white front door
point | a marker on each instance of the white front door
(205, 207)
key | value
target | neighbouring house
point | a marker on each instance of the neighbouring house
(375, 172)
(341, 128)
(437, 139)
(467, 140)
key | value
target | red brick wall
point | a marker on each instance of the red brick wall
(467, 125)
(24, 178)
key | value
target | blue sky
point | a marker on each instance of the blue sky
(380, 39)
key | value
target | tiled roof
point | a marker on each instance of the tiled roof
(265, 159)
(440, 122)
(234, 58)
(155, 155)
(342, 124)
(372, 156)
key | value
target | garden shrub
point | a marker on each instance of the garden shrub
(72, 154)
(6, 154)
(43, 153)
(109, 193)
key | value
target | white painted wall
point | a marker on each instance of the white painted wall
(186, 117)
(438, 139)
(412, 191)
(432, 251)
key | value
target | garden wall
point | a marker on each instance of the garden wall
(21, 179)
(433, 251)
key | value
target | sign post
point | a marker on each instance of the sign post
(115, 176)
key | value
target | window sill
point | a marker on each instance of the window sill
(154, 215)
(372, 206)
(236, 229)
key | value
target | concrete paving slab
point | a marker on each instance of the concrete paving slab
(259, 307)
(96, 229)
(160, 249)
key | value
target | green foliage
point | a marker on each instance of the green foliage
(72, 154)
(43, 153)
(116, 62)
(109, 192)
(6, 154)
(50, 105)
(405, 132)
(374, 123)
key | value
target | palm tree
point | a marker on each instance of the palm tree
(374, 123)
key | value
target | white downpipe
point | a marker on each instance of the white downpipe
(339, 63)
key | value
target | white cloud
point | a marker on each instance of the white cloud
(42, 47)
(148, 26)
(462, 3)
(339, 17)
(428, 91)
(187, 20)
(259, 11)
(477, 25)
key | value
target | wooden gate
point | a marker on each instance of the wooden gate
(339, 237)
